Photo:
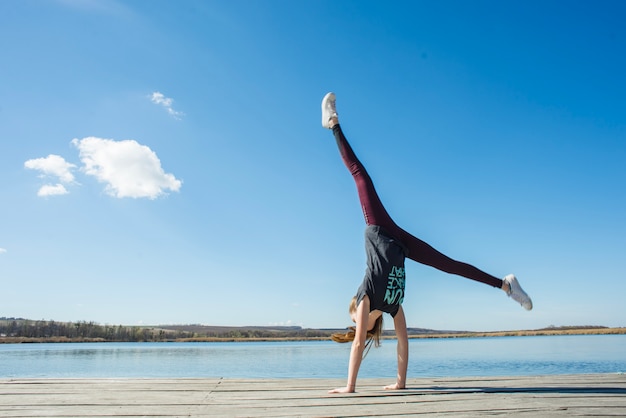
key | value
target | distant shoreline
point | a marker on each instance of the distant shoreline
(529, 333)
(436, 334)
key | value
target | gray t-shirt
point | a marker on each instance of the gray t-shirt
(384, 277)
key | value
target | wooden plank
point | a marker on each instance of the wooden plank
(545, 396)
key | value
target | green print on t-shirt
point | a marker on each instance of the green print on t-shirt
(395, 286)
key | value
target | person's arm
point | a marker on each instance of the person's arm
(356, 353)
(399, 322)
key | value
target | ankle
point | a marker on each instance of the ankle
(506, 286)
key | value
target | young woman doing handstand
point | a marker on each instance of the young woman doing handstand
(387, 245)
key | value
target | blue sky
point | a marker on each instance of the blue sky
(164, 162)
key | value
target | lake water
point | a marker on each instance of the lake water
(492, 356)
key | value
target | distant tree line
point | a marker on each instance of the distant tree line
(259, 333)
(88, 331)
(251, 332)
(19, 328)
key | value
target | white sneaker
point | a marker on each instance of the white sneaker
(328, 109)
(516, 292)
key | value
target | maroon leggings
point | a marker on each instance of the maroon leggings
(375, 214)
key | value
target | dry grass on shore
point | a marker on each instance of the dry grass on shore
(528, 333)
(521, 333)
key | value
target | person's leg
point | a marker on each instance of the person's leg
(423, 253)
(373, 209)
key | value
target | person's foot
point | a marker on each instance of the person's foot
(329, 111)
(514, 291)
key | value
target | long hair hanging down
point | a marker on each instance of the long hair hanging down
(376, 332)
(373, 336)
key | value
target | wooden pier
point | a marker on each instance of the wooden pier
(531, 396)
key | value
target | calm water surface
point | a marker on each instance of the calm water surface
(495, 356)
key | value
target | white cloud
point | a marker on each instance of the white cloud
(166, 102)
(287, 323)
(128, 168)
(52, 165)
(2, 250)
(52, 190)
(56, 167)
